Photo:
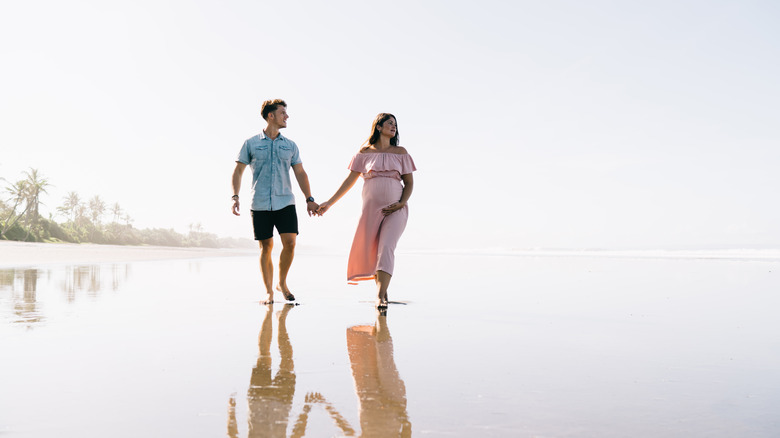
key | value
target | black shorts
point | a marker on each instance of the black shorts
(285, 221)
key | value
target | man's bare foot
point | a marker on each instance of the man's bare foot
(286, 292)
(269, 299)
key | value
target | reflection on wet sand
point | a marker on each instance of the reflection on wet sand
(88, 279)
(381, 391)
(315, 398)
(19, 287)
(270, 399)
(25, 304)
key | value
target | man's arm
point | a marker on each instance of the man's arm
(303, 183)
(237, 174)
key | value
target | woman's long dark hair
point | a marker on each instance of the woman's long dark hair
(379, 121)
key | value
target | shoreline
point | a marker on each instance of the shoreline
(22, 254)
(25, 254)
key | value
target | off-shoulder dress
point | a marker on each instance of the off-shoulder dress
(373, 248)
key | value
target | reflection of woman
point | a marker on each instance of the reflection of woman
(379, 387)
(386, 169)
(270, 399)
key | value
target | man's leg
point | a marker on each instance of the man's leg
(267, 268)
(263, 226)
(285, 261)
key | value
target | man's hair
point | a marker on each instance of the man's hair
(270, 106)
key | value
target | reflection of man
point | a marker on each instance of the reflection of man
(270, 399)
(379, 387)
(271, 156)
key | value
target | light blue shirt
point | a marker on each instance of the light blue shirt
(270, 161)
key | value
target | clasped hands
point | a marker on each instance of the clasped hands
(312, 208)
(322, 208)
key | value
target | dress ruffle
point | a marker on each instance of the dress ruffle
(381, 162)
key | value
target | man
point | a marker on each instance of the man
(271, 155)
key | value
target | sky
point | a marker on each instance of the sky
(555, 124)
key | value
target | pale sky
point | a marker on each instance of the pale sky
(555, 124)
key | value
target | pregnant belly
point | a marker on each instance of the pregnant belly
(381, 192)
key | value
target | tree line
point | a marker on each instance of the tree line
(86, 220)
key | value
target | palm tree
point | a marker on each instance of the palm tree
(3, 207)
(116, 210)
(18, 192)
(96, 209)
(70, 205)
(36, 185)
(81, 218)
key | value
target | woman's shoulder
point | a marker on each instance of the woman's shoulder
(395, 150)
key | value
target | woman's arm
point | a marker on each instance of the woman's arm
(405, 195)
(345, 186)
(408, 180)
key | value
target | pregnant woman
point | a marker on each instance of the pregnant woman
(386, 169)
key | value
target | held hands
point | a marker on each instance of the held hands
(236, 207)
(323, 208)
(312, 208)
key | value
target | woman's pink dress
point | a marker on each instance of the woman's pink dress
(376, 236)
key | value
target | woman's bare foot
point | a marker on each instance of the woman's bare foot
(269, 299)
(286, 292)
(381, 301)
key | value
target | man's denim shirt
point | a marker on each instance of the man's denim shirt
(271, 161)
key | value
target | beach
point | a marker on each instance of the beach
(532, 344)
(29, 253)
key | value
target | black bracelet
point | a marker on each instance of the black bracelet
(234, 197)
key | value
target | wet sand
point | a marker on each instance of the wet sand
(488, 346)
(17, 254)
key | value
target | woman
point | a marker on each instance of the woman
(386, 169)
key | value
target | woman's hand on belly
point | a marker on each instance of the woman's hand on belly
(392, 208)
